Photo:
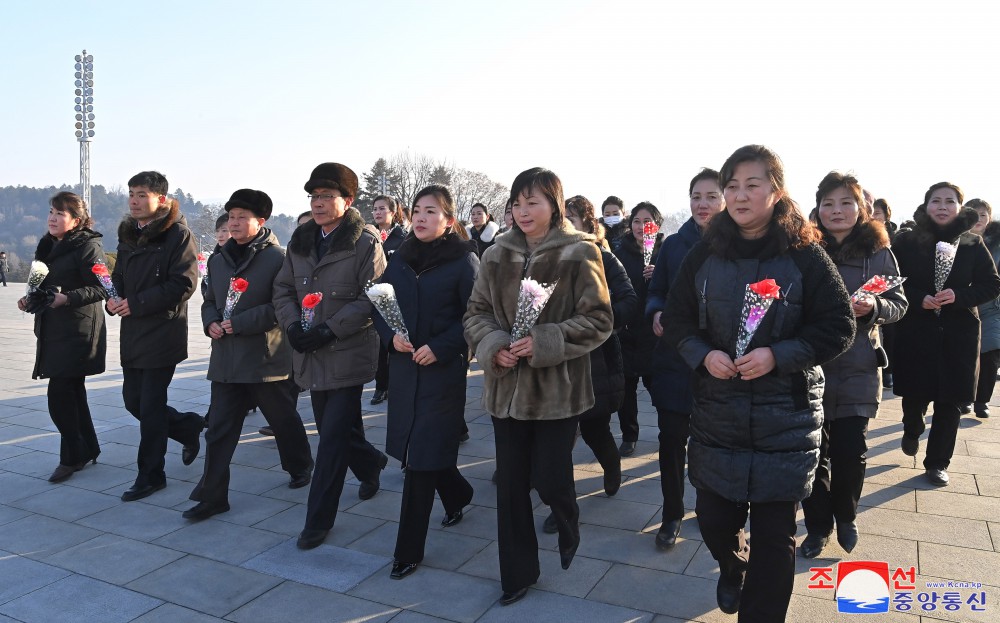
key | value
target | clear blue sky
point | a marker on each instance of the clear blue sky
(625, 98)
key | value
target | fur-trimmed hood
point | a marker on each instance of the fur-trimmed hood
(559, 236)
(166, 217)
(866, 240)
(490, 230)
(346, 235)
(927, 229)
(48, 249)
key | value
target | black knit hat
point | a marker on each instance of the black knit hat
(256, 201)
(334, 176)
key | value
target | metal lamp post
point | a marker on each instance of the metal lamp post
(84, 117)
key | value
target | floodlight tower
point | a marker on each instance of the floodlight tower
(84, 117)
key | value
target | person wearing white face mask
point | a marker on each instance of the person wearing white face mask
(613, 219)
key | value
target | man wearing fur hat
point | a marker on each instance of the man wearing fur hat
(156, 273)
(335, 255)
(251, 361)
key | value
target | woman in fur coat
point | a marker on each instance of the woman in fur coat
(937, 341)
(534, 387)
(859, 246)
(989, 312)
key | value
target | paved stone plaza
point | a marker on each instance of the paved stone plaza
(76, 552)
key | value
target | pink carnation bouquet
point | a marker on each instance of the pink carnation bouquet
(531, 299)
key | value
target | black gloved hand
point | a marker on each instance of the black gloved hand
(317, 337)
(295, 335)
(39, 299)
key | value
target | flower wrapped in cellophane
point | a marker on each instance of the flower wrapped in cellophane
(876, 286)
(39, 271)
(237, 286)
(648, 241)
(756, 302)
(531, 300)
(944, 259)
(383, 297)
(202, 265)
(100, 270)
(309, 303)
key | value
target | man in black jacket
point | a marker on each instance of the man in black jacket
(156, 273)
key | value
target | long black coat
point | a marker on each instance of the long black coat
(72, 339)
(433, 282)
(395, 237)
(937, 357)
(157, 272)
(638, 339)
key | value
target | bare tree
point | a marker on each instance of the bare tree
(413, 172)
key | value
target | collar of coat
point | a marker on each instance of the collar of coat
(165, 218)
(489, 231)
(48, 250)
(422, 256)
(264, 238)
(559, 236)
(345, 237)
(864, 241)
(992, 236)
(927, 229)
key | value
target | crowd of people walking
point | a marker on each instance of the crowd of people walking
(764, 334)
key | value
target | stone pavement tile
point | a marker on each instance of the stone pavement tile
(385, 505)
(247, 510)
(540, 605)
(929, 528)
(820, 608)
(136, 520)
(306, 604)
(76, 598)
(445, 594)
(409, 616)
(477, 521)
(443, 550)
(251, 480)
(30, 419)
(17, 486)
(348, 527)
(914, 478)
(218, 540)
(960, 564)
(974, 465)
(9, 514)
(481, 448)
(37, 537)
(119, 455)
(633, 548)
(480, 431)
(890, 453)
(674, 595)
(995, 534)
(113, 559)
(576, 581)
(614, 513)
(327, 566)
(172, 613)
(101, 477)
(888, 496)
(476, 467)
(38, 439)
(942, 502)
(22, 576)
(34, 463)
(67, 503)
(249, 453)
(8, 450)
(204, 585)
(662, 618)
(984, 448)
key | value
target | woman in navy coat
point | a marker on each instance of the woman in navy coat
(432, 273)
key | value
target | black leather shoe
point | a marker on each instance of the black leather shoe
(452, 519)
(910, 445)
(938, 477)
(613, 479)
(514, 596)
(847, 535)
(266, 431)
(887, 381)
(402, 569)
(666, 536)
(566, 556)
(982, 410)
(728, 592)
(63, 472)
(463, 438)
(966, 408)
(369, 488)
(627, 448)
(300, 480)
(550, 526)
(309, 539)
(813, 545)
(379, 397)
(136, 492)
(190, 452)
(204, 510)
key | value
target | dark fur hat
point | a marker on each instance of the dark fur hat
(256, 201)
(334, 176)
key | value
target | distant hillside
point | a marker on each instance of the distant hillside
(23, 212)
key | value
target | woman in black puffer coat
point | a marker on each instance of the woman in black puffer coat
(637, 337)
(387, 213)
(69, 325)
(989, 312)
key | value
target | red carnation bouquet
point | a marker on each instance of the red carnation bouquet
(202, 265)
(877, 285)
(237, 286)
(100, 270)
(309, 303)
(649, 231)
(756, 302)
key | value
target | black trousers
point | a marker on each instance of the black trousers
(989, 363)
(840, 475)
(944, 429)
(144, 391)
(535, 453)
(674, 428)
(418, 502)
(342, 444)
(596, 433)
(382, 373)
(770, 572)
(70, 413)
(628, 414)
(230, 403)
